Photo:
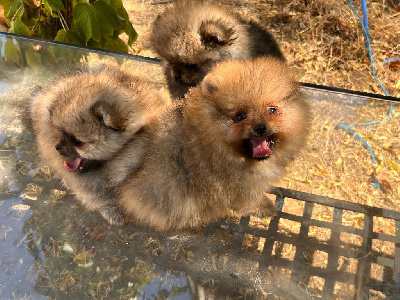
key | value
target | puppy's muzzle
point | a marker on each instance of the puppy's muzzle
(62, 150)
(65, 150)
(260, 129)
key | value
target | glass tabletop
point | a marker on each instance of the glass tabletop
(336, 236)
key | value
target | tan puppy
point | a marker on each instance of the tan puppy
(222, 148)
(192, 36)
(89, 127)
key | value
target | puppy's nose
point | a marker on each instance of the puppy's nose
(58, 147)
(260, 129)
(176, 73)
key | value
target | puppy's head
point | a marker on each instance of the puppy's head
(94, 115)
(190, 38)
(251, 109)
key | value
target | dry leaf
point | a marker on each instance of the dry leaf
(383, 180)
(395, 65)
(392, 147)
(322, 187)
(96, 233)
(394, 165)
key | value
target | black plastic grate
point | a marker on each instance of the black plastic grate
(269, 271)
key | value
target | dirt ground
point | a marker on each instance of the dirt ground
(322, 40)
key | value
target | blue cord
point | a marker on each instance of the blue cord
(368, 43)
(356, 135)
(364, 24)
(365, 20)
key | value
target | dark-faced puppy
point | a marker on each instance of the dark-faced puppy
(191, 37)
(222, 148)
(89, 126)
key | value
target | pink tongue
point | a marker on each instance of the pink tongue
(260, 147)
(73, 165)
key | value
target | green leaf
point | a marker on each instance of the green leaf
(44, 32)
(119, 8)
(75, 2)
(6, 5)
(12, 52)
(114, 44)
(93, 44)
(19, 27)
(107, 17)
(131, 32)
(69, 36)
(125, 24)
(16, 11)
(55, 5)
(85, 22)
(49, 10)
(105, 12)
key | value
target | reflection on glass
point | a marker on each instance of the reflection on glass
(51, 247)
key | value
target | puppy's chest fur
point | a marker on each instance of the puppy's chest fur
(219, 182)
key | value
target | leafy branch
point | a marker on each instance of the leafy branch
(93, 23)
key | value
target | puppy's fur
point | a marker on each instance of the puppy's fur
(193, 35)
(86, 123)
(222, 148)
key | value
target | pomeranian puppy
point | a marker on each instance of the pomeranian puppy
(86, 125)
(192, 36)
(221, 148)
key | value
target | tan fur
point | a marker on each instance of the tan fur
(106, 110)
(195, 169)
(192, 36)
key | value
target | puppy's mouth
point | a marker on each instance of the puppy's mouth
(76, 164)
(260, 148)
(83, 165)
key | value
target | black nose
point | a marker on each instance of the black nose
(260, 129)
(177, 74)
(178, 78)
(58, 147)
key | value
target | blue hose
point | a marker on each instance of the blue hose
(365, 20)
(347, 128)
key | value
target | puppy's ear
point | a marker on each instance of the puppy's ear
(208, 85)
(110, 116)
(216, 34)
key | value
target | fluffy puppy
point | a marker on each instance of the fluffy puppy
(192, 36)
(221, 149)
(89, 126)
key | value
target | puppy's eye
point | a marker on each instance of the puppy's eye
(77, 142)
(272, 110)
(239, 117)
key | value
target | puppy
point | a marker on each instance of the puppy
(89, 127)
(221, 149)
(192, 36)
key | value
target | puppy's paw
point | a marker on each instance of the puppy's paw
(263, 209)
(112, 215)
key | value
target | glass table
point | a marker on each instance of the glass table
(336, 234)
